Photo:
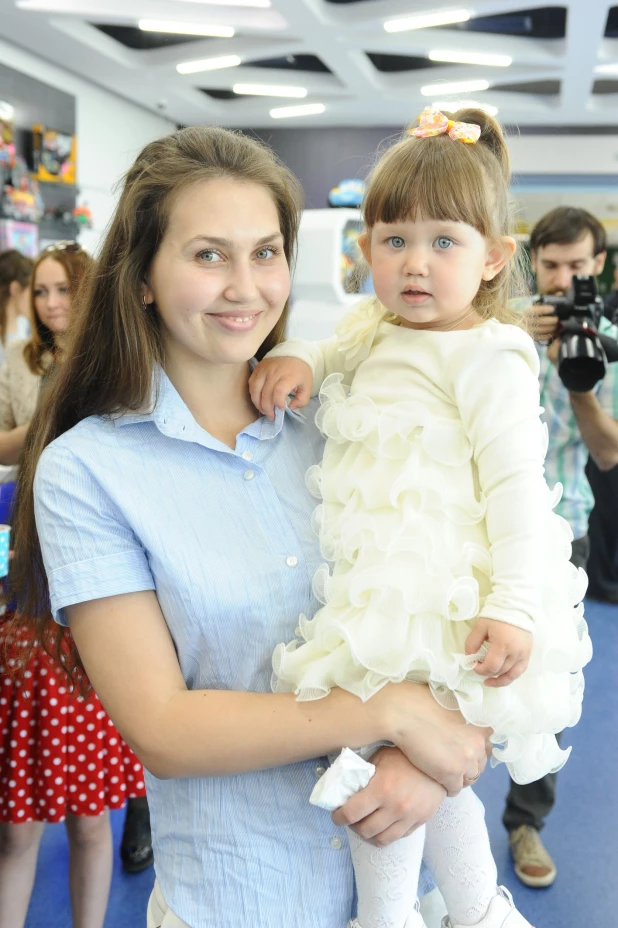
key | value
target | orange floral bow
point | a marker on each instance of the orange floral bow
(432, 122)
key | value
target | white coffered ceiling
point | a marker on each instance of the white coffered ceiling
(558, 74)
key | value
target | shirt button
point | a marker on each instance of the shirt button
(247, 455)
(320, 771)
(249, 474)
(291, 561)
(336, 844)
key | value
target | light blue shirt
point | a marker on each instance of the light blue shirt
(151, 501)
(567, 453)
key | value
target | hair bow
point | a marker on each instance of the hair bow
(432, 122)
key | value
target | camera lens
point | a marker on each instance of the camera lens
(581, 361)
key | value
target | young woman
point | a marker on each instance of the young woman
(60, 757)
(174, 528)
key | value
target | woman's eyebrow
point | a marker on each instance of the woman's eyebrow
(226, 243)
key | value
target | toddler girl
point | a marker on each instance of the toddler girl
(449, 566)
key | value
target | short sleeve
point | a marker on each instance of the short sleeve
(89, 551)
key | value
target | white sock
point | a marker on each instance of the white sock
(386, 879)
(458, 854)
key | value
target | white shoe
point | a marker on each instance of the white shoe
(414, 921)
(500, 914)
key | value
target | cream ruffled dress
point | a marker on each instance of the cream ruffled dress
(435, 511)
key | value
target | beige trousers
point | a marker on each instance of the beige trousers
(159, 915)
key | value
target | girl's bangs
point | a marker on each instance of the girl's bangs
(425, 180)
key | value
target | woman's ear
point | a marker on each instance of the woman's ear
(499, 255)
(364, 242)
(147, 294)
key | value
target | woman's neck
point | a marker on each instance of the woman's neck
(216, 394)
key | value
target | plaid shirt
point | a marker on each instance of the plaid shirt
(567, 454)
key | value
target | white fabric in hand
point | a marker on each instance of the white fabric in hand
(345, 777)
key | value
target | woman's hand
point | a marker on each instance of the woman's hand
(397, 801)
(437, 741)
(274, 379)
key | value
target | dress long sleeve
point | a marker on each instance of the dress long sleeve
(497, 394)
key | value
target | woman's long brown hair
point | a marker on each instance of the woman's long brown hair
(116, 341)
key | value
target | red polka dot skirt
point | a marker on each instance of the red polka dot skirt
(59, 753)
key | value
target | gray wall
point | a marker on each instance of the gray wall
(320, 158)
(35, 102)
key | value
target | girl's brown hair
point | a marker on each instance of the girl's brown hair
(76, 264)
(14, 268)
(116, 341)
(439, 178)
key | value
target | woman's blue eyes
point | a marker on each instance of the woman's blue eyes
(209, 256)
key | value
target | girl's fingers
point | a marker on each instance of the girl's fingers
(506, 678)
(492, 663)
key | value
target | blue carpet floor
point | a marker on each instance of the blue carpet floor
(582, 832)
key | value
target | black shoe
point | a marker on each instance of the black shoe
(136, 846)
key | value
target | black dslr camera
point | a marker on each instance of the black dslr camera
(583, 351)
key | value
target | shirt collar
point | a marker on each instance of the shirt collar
(171, 415)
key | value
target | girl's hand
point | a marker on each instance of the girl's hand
(508, 654)
(397, 801)
(437, 741)
(274, 379)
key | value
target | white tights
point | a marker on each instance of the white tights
(455, 847)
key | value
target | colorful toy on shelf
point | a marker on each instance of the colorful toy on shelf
(83, 215)
(348, 193)
(20, 199)
(24, 236)
(7, 145)
(55, 155)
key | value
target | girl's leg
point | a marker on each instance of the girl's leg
(90, 868)
(458, 854)
(19, 848)
(387, 880)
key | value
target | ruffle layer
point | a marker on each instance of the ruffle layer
(403, 521)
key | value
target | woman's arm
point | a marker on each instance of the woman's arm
(129, 656)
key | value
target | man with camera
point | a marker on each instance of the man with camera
(581, 418)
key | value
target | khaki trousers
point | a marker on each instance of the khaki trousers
(159, 915)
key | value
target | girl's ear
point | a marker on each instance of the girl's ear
(499, 254)
(364, 241)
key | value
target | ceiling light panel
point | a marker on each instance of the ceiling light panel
(259, 4)
(208, 64)
(463, 57)
(270, 90)
(160, 25)
(308, 109)
(427, 20)
(451, 106)
(430, 90)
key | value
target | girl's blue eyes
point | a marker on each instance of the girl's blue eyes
(442, 242)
